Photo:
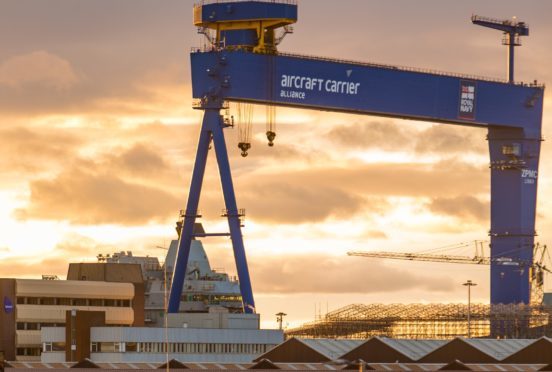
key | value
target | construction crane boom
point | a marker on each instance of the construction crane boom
(536, 268)
(477, 260)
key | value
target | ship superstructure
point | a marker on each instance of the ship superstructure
(205, 289)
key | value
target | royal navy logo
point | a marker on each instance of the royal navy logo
(468, 92)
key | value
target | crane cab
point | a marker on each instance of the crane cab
(257, 26)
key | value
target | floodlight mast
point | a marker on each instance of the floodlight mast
(243, 65)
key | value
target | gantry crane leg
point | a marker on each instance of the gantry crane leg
(514, 156)
(211, 129)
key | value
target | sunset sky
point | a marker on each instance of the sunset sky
(98, 136)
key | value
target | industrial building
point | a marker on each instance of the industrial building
(152, 345)
(377, 353)
(267, 365)
(386, 350)
(114, 311)
(30, 305)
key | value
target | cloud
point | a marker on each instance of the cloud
(464, 207)
(21, 267)
(81, 197)
(385, 135)
(77, 246)
(403, 179)
(280, 195)
(38, 67)
(139, 159)
(285, 202)
(389, 135)
(444, 139)
(374, 234)
(25, 149)
(319, 273)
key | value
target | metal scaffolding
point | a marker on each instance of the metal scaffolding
(430, 321)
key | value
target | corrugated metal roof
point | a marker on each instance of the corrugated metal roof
(505, 367)
(406, 366)
(498, 349)
(283, 366)
(331, 348)
(414, 349)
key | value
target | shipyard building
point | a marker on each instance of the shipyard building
(113, 310)
(30, 305)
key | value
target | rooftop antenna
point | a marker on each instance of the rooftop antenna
(512, 30)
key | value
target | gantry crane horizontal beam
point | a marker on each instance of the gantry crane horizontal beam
(364, 88)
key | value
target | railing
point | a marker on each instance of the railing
(507, 22)
(390, 67)
(206, 2)
(409, 69)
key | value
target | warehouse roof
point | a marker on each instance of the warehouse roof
(136, 367)
(414, 349)
(316, 350)
(498, 349)
(332, 348)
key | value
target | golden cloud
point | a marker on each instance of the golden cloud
(39, 67)
(465, 207)
(319, 273)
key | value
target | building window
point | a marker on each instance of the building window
(47, 301)
(28, 351)
(112, 347)
(33, 326)
(95, 347)
(131, 346)
(64, 301)
(78, 302)
(53, 346)
(95, 302)
(58, 346)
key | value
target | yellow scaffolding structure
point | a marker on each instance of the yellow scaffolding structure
(430, 321)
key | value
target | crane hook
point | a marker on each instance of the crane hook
(244, 146)
(270, 135)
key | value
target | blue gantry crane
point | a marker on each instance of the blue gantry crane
(242, 64)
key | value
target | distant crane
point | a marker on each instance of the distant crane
(512, 30)
(537, 268)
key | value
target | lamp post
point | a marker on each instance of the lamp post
(469, 284)
(280, 318)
